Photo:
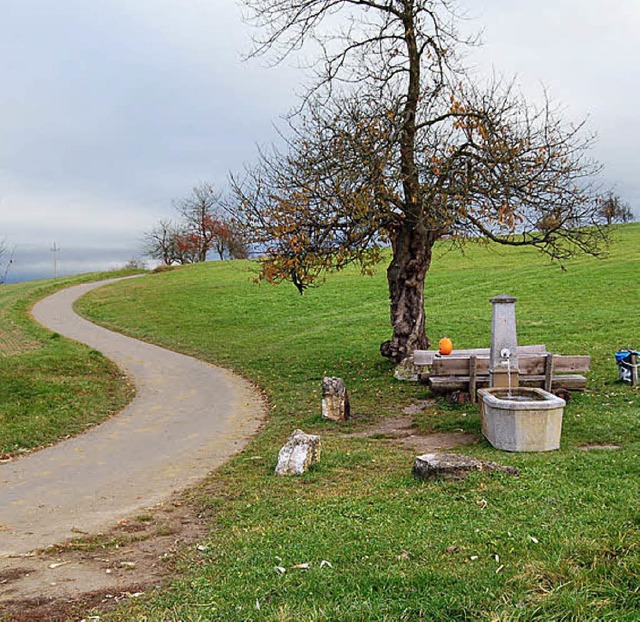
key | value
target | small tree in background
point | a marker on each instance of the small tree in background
(203, 227)
(187, 247)
(237, 245)
(135, 263)
(612, 209)
(160, 242)
(395, 145)
(6, 261)
(203, 215)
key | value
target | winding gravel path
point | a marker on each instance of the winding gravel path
(187, 418)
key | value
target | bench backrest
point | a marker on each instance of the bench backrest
(427, 357)
(528, 364)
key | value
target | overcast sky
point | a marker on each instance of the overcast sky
(109, 109)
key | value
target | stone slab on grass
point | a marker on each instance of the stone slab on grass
(454, 466)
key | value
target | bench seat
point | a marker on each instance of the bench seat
(441, 385)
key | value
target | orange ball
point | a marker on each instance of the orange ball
(445, 346)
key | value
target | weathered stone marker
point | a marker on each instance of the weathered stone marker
(298, 454)
(407, 370)
(454, 466)
(335, 399)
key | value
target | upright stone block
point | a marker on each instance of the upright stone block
(335, 400)
(503, 357)
(298, 454)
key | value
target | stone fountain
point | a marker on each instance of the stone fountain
(515, 418)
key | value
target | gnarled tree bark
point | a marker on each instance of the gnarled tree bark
(412, 250)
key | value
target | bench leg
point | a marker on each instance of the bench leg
(548, 372)
(472, 379)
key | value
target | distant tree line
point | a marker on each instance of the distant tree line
(202, 227)
(609, 209)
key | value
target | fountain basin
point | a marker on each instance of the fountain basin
(523, 419)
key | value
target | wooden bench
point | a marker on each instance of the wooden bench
(468, 370)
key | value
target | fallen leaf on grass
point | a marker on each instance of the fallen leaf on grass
(280, 569)
(304, 566)
(324, 563)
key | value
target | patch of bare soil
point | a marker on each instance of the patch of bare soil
(400, 430)
(600, 446)
(65, 581)
(438, 441)
(388, 427)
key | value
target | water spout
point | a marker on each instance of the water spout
(505, 355)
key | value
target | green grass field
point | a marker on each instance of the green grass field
(51, 387)
(558, 543)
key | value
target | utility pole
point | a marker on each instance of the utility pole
(55, 249)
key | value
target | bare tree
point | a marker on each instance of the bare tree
(160, 242)
(393, 144)
(203, 215)
(135, 263)
(612, 209)
(237, 246)
(172, 243)
(204, 225)
(6, 261)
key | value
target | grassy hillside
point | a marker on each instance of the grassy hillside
(50, 387)
(558, 543)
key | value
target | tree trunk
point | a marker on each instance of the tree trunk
(412, 243)
(412, 249)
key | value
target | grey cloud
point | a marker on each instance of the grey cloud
(108, 110)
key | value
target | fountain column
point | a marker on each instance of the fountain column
(503, 357)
